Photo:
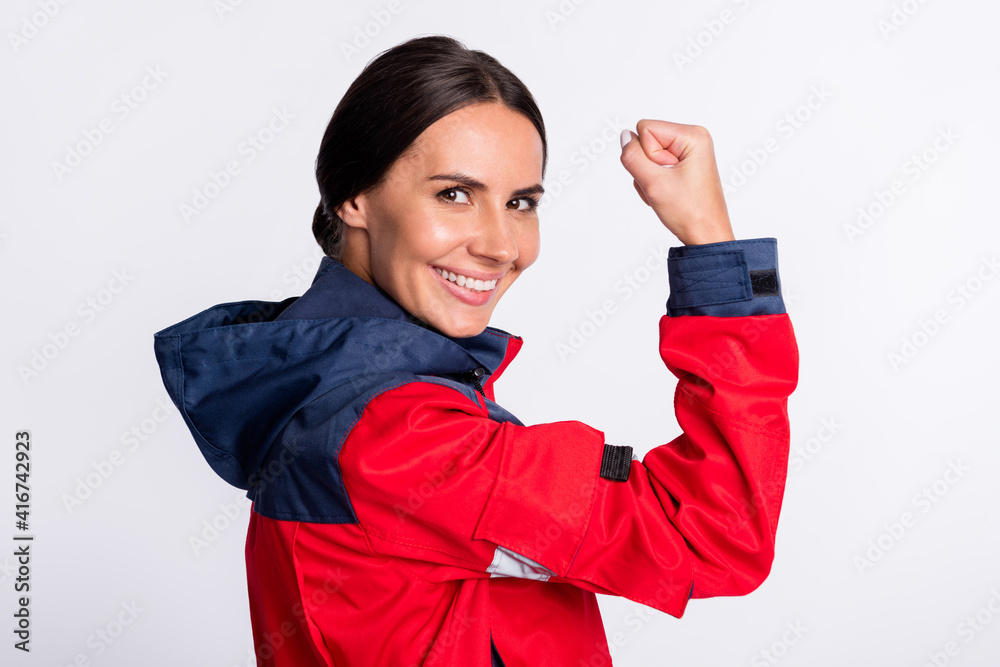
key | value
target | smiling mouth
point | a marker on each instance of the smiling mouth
(471, 284)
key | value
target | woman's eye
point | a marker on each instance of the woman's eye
(522, 204)
(456, 196)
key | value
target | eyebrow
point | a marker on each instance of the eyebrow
(474, 184)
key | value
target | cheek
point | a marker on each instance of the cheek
(400, 239)
(528, 246)
(421, 234)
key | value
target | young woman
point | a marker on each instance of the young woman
(400, 515)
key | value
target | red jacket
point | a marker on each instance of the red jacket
(402, 517)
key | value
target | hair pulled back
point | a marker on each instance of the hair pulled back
(397, 96)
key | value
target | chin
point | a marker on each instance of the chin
(461, 329)
(467, 332)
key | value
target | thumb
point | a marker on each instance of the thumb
(643, 170)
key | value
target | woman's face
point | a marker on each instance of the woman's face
(462, 201)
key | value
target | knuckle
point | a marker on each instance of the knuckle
(655, 190)
(701, 132)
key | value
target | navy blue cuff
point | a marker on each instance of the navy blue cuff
(726, 279)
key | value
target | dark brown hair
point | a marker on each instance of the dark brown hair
(397, 96)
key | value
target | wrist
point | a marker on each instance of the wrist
(700, 230)
(705, 237)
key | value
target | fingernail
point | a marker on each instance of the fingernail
(626, 137)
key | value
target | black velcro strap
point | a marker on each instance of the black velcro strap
(764, 282)
(616, 462)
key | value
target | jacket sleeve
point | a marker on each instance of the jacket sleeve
(436, 483)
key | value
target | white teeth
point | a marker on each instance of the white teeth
(468, 283)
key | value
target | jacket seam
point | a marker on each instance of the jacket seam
(377, 533)
(313, 626)
(395, 559)
(736, 422)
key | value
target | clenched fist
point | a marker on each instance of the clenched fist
(674, 171)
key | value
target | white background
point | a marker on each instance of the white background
(876, 433)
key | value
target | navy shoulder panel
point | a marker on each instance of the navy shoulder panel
(497, 413)
(301, 479)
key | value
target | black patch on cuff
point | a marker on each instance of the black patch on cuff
(616, 462)
(764, 282)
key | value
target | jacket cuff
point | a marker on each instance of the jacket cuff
(725, 279)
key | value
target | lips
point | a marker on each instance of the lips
(466, 295)
(467, 281)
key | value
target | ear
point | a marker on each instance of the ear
(354, 211)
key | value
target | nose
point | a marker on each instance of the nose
(494, 239)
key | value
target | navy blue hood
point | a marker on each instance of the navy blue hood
(239, 372)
